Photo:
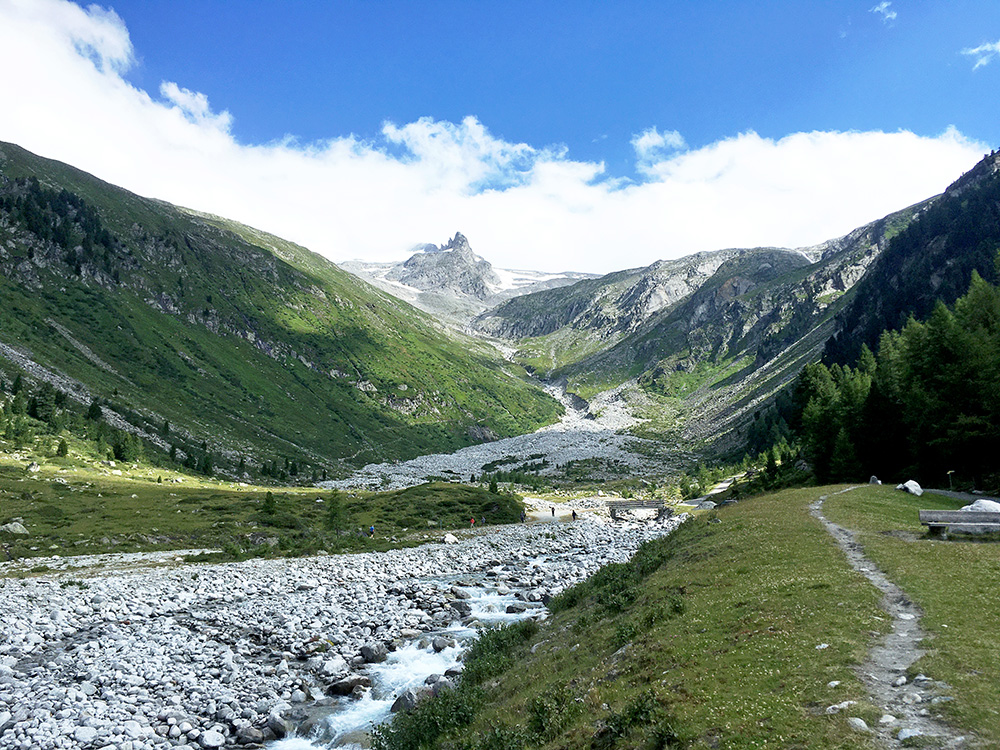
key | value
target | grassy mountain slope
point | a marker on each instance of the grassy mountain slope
(708, 639)
(236, 338)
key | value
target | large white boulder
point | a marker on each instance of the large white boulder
(984, 506)
(910, 486)
(450, 539)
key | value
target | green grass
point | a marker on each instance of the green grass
(262, 345)
(955, 582)
(73, 505)
(706, 639)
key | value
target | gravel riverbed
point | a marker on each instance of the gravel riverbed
(594, 430)
(199, 655)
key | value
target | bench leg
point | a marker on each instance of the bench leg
(938, 532)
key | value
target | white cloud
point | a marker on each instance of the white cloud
(984, 53)
(521, 205)
(651, 146)
(888, 16)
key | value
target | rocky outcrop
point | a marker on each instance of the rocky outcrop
(450, 268)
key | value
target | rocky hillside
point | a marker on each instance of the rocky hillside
(453, 283)
(723, 330)
(201, 331)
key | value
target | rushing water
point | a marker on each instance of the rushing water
(349, 721)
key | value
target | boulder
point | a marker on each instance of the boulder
(335, 665)
(249, 736)
(346, 686)
(406, 701)
(912, 487)
(462, 607)
(277, 724)
(459, 593)
(34, 468)
(705, 505)
(874, 480)
(374, 653)
(14, 527)
(212, 739)
(450, 539)
(984, 506)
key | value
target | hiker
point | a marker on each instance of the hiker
(472, 522)
(553, 511)
(574, 514)
(524, 516)
(371, 531)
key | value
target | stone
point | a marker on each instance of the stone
(984, 506)
(440, 643)
(85, 735)
(874, 480)
(335, 665)
(857, 724)
(277, 724)
(212, 739)
(347, 685)
(907, 734)
(516, 608)
(887, 719)
(249, 736)
(450, 539)
(34, 468)
(912, 487)
(14, 527)
(899, 681)
(406, 701)
(374, 653)
(705, 505)
(460, 593)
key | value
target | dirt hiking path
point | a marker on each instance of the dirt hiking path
(908, 706)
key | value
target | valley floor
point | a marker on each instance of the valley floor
(594, 432)
(151, 652)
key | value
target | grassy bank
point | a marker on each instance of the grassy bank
(728, 635)
(70, 506)
(706, 639)
(955, 582)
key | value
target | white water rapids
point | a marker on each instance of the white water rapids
(349, 721)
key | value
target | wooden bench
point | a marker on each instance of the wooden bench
(616, 507)
(939, 522)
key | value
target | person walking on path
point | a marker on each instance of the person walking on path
(553, 511)
(472, 522)
(574, 514)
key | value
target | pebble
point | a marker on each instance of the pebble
(215, 655)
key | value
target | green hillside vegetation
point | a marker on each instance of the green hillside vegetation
(708, 639)
(926, 405)
(928, 261)
(78, 504)
(234, 337)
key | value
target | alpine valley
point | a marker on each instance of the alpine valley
(205, 337)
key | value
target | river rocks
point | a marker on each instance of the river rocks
(406, 701)
(373, 653)
(84, 735)
(177, 653)
(347, 685)
(276, 723)
(440, 643)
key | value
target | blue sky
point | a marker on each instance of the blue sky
(547, 132)
(588, 75)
